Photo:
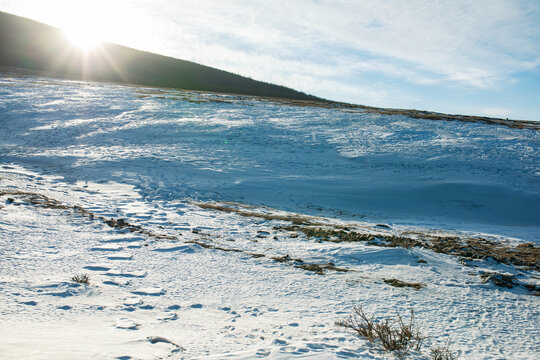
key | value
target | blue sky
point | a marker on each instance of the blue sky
(477, 57)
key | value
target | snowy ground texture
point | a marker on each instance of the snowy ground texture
(172, 279)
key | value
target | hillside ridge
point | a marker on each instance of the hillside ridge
(32, 45)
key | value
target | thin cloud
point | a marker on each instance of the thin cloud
(472, 43)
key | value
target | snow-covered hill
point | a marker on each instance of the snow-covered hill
(216, 225)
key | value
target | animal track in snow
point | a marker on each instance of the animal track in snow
(120, 256)
(107, 247)
(125, 273)
(98, 267)
(151, 291)
(121, 239)
(128, 324)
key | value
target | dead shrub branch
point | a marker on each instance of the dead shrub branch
(393, 335)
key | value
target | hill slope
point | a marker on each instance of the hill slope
(163, 199)
(32, 45)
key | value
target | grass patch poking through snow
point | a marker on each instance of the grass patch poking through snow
(399, 283)
(443, 352)
(81, 279)
(393, 335)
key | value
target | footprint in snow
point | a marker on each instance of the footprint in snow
(160, 339)
(184, 248)
(122, 255)
(116, 283)
(124, 273)
(98, 267)
(61, 288)
(168, 317)
(151, 291)
(263, 353)
(132, 301)
(127, 324)
(182, 227)
(234, 314)
(107, 247)
(252, 311)
(320, 346)
(31, 303)
(121, 239)
(293, 350)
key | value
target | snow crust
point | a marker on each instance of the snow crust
(148, 156)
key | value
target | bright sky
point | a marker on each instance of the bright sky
(478, 57)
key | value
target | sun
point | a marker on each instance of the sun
(83, 38)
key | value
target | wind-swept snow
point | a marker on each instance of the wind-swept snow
(108, 181)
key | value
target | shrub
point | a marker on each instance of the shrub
(443, 352)
(82, 279)
(393, 334)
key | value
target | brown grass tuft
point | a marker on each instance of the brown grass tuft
(81, 279)
(399, 283)
(392, 334)
(443, 352)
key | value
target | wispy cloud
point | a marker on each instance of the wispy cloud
(461, 42)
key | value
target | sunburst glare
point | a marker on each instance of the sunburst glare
(83, 38)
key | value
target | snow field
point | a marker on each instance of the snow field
(212, 303)
(193, 281)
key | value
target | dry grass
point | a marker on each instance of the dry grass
(392, 334)
(295, 219)
(443, 352)
(399, 283)
(45, 202)
(81, 279)
(215, 247)
(525, 255)
(320, 268)
(417, 114)
(332, 234)
(316, 268)
(286, 258)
